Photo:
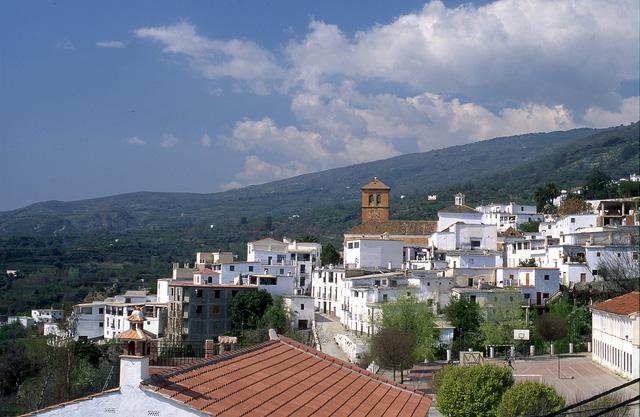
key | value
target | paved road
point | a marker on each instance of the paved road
(580, 377)
(327, 329)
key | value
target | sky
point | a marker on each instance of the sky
(102, 98)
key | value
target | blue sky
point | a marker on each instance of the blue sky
(112, 97)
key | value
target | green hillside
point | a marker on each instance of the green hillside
(69, 250)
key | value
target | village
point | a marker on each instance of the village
(479, 255)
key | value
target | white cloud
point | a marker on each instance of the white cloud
(257, 171)
(65, 45)
(135, 141)
(214, 59)
(629, 112)
(569, 52)
(205, 141)
(429, 79)
(110, 44)
(168, 141)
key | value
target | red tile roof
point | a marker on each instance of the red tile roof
(282, 378)
(396, 228)
(624, 305)
(375, 184)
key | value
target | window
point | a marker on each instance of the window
(215, 309)
(594, 272)
(545, 295)
(199, 293)
(101, 310)
(302, 267)
(475, 243)
(350, 245)
(635, 255)
(598, 254)
(370, 199)
(376, 282)
(216, 293)
(546, 277)
(356, 245)
(583, 277)
(101, 324)
(86, 310)
(199, 309)
(384, 298)
(301, 306)
(378, 199)
(250, 268)
(472, 298)
(281, 271)
(233, 293)
(232, 267)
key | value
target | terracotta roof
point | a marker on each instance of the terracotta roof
(458, 209)
(511, 232)
(375, 184)
(396, 227)
(624, 305)
(282, 378)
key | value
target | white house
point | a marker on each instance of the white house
(300, 307)
(88, 319)
(536, 284)
(373, 253)
(47, 315)
(328, 286)
(24, 321)
(615, 329)
(465, 236)
(458, 213)
(509, 215)
(303, 257)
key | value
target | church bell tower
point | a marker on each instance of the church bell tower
(375, 201)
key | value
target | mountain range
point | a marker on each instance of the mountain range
(501, 168)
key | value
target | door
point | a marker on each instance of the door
(526, 279)
(302, 324)
(538, 298)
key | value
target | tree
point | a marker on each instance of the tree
(308, 238)
(529, 399)
(276, 317)
(501, 318)
(620, 272)
(465, 391)
(598, 185)
(529, 227)
(248, 307)
(393, 348)
(410, 316)
(329, 255)
(531, 262)
(551, 327)
(464, 315)
(543, 196)
(573, 204)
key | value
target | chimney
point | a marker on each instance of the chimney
(134, 362)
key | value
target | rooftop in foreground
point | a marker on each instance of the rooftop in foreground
(281, 378)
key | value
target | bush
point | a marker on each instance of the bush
(529, 399)
(473, 391)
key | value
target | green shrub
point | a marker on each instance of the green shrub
(529, 399)
(473, 391)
